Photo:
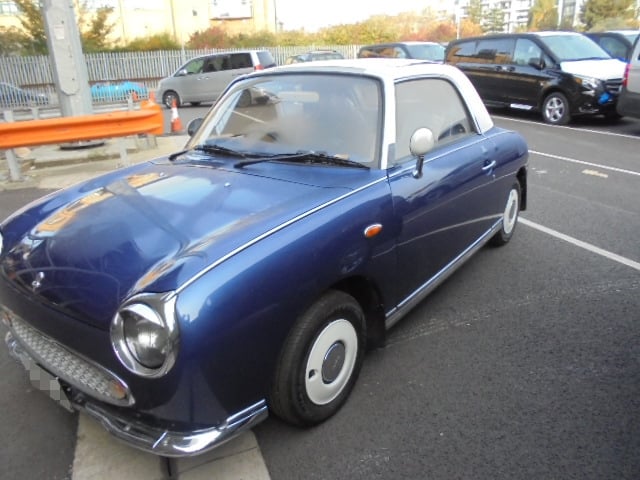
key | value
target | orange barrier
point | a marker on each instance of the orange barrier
(148, 119)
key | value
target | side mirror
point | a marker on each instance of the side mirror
(182, 73)
(421, 142)
(193, 126)
(536, 63)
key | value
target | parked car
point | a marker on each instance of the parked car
(15, 97)
(314, 56)
(117, 91)
(180, 300)
(203, 78)
(560, 74)
(420, 50)
(629, 101)
(617, 43)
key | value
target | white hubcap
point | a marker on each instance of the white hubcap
(331, 361)
(510, 212)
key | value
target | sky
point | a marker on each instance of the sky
(314, 14)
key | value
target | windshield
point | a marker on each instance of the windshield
(283, 114)
(574, 47)
(432, 52)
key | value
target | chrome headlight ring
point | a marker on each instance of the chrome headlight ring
(145, 335)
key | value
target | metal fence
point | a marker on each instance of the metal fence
(35, 76)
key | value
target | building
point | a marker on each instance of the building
(180, 18)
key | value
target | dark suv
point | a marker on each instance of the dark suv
(560, 74)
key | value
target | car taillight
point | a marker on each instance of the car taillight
(258, 67)
(625, 78)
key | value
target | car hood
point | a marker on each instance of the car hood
(611, 68)
(151, 228)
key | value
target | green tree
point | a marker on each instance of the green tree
(543, 15)
(34, 40)
(594, 12)
(11, 40)
(494, 21)
(160, 41)
(95, 30)
(475, 12)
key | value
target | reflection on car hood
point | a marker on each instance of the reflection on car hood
(148, 228)
(602, 69)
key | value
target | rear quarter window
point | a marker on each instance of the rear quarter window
(462, 52)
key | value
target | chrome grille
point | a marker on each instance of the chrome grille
(614, 85)
(70, 367)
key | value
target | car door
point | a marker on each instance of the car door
(528, 74)
(188, 80)
(451, 205)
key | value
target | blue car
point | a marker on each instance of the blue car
(117, 91)
(180, 301)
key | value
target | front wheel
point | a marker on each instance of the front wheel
(509, 217)
(169, 97)
(320, 361)
(555, 109)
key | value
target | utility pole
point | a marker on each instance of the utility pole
(69, 67)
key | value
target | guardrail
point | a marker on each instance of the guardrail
(147, 119)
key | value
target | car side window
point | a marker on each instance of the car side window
(614, 47)
(495, 50)
(462, 52)
(433, 103)
(194, 66)
(399, 53)
(241, 60)
(526, 51)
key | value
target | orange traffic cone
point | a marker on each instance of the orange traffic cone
(176, 124)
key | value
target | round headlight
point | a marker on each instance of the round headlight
(145, 335)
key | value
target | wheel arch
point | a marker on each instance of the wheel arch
(366, 293)
(522, 180)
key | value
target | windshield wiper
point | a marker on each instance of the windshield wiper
(209, 149)
(305, 157)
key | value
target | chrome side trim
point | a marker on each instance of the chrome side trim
(275, 230)
(169, 443)
(417, 296)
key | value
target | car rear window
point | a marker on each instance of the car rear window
(266, 60)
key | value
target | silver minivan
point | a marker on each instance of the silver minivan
(202, 79)
(629, 99)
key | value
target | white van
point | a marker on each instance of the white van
(202, 79)
(629, 100)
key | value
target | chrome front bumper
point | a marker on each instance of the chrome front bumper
(140, 435)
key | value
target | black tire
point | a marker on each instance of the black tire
(509, 217)
(320, 361)
(555, 109)
(169, 97)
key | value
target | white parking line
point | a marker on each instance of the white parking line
(582, 162)
(585, 130)
(579, 243)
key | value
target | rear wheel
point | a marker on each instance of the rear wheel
(509, 217)
(555, 109)
(320, 361)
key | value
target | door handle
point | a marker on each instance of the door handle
(490, 166)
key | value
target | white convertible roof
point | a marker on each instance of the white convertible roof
(391, 70)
